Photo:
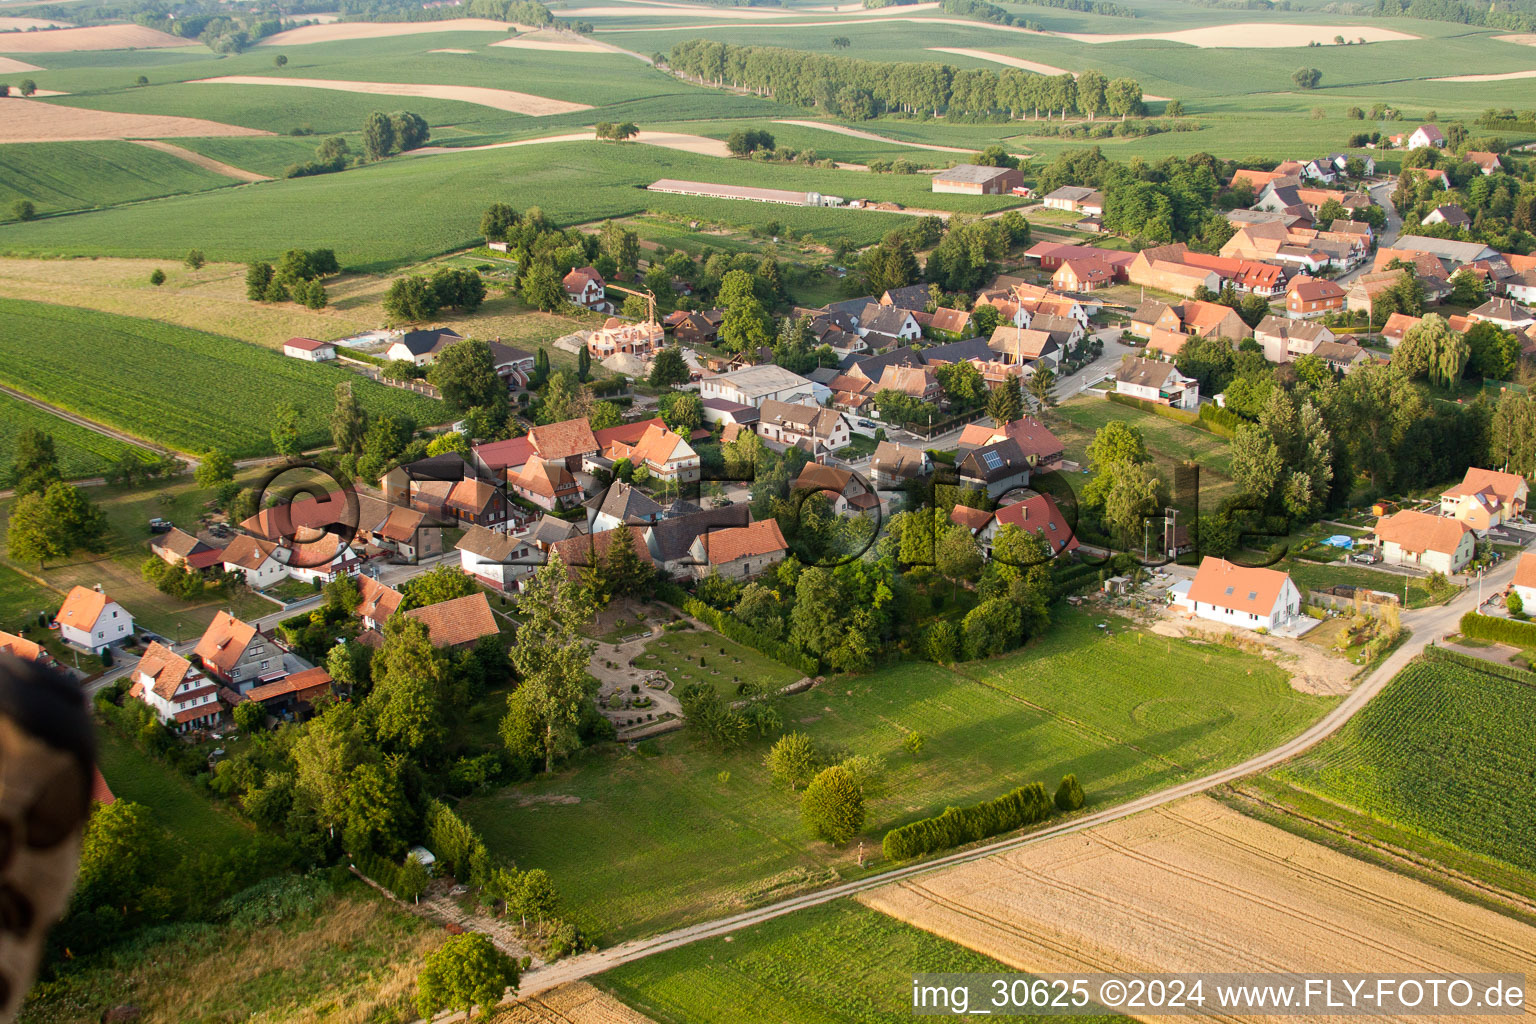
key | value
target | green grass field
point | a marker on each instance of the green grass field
(182, 388)
(1328, 574)
(82, 452)
(841, 963)
(677, 654)
(59, 176)
(656, 842)
(178, 808)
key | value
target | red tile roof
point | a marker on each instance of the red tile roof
(81, 608)
(247, 552)
(21, 647)
(306, 344)
(462, 620)
(973, 519)
(223, 643)
(166, 669)
(760, 538)
(1039, 514)
(377, 601)
(1237, 588)
(1418, 532)
(564, 439)
(298, 683)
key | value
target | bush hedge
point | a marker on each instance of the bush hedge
(1504, 631)
(1165, 411)
(958, 825)
(1493, 668)
(1220, 421)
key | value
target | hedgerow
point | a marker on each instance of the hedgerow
(958, 825)
(1504, 631)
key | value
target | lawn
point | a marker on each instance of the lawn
(182, 388)
(1438, 763)
(176, 806)
(840, 963)
(727, 664)
(1320, 574)
(291, 591)
(664, 836)
(1169, 442)
(82, 452)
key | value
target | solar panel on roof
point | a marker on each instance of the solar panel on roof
(992, 459)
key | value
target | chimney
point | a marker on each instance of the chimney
(98, 588)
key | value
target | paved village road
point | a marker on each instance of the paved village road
(1427, 625)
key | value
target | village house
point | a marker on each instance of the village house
(1507, 314)
(1524, 583)
(1425, 541)
(1253, 277)
(377, 602)
(621, 504)
(970, 179)
(1312, 296)
(293, 694)
(568, 442)
(1483, 160)
(309, 349)
(721, 412)
(664, 454)
(1422, 136)
(1455, 253)
(179, 694)
(1075, 199)
(1450, 214)
(92, 621)
(461, 622)
(1284, 339)
(914, 297)
(1153, 380)
(422, 347)
(848, 492)
(25, 650)
(585, 287)
(1022, 346)
(237, 655)
(691, 328)
(1083, 275)
(583, 550)
(996, 468)
(816, 430)
(1397, 325)
(1153, 315)
(1342, 356)
(950, 324)
(477, 503)
(739, 552)
(754, 385)
(1241, 596)
(1164, 269)
(1053, 254)
(893, 465)
(888, 323)
(913, 381)
(670, 541)
(496, 560)
(547, 484)
(1485, 498)
(1041, 448)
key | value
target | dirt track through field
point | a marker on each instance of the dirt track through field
(33, 121)
(1196, 886)
(667, 140)
(576, 1003)
(207, 163)
(92, 37)
(499, 99)
(342, 31)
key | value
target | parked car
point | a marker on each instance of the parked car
(867, 424)
(158, 525)
(1365, 557)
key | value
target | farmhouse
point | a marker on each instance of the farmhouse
(754, 385)
(1485, 498)
(1156, 381)
(979, 181)
(460, 622)
(739, 552)
(1075, 199)
(179, 694)
(92, 621)
(1053, 254)
(1241, 596)
(176, 546)
(1425, 541)
(1083, 275)
(422, 347)
(309, 349)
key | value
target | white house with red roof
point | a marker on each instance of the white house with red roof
(1524, 582)
(1241, 596)
(178, 692)
(584, 286)
(309, 349)
(91, 620)
(740, 551)
(1485, 498)
(1425, 541)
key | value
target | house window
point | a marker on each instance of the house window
(264, 665)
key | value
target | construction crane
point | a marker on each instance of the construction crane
(649, 297)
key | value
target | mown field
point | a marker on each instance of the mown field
(82, 452)
(640, 843)
(179, 387)
(1444, 752)
(57, 176)
(726, 663)
(840, 963)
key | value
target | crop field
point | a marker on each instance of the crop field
(727, 663)
(82, 452)
(1195, 886)
(840, 963)
(639, 843)
(1444, 751)
(58, 176)
(572, 182)
(263, 154)
(182, 388)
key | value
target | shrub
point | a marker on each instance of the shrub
(1167, 412)
(1515, 604)
(793, 760)
(1069, 795)
(1505, 631)
(833, 805)
(157, 277)
(957, 825)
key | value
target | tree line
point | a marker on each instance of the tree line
(852, 87)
